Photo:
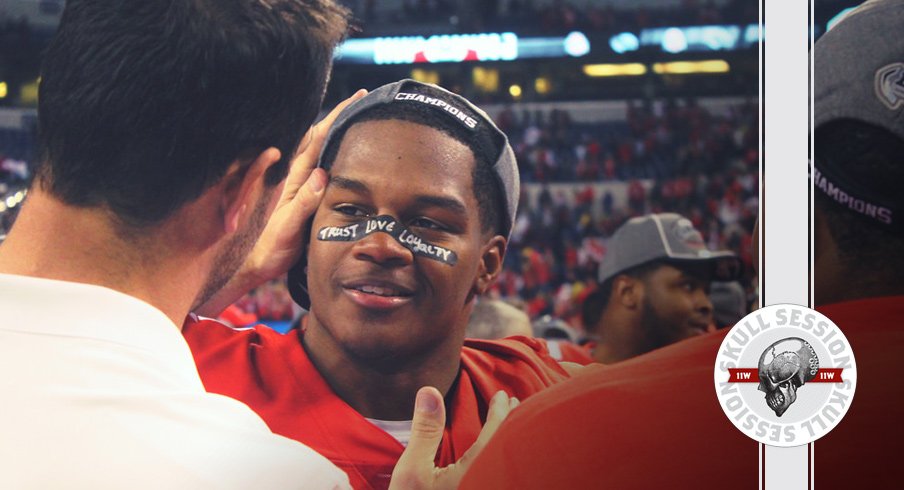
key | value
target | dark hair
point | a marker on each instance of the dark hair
(873, 158)
(144, 104)
(487, 191)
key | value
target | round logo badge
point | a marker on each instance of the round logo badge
(785, 375)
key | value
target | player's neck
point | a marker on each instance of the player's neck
(617, 337)
(53, 240)
(382, 390)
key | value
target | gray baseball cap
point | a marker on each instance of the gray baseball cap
(458, 109)
(668, 237)
(858, 74)
(859, 68)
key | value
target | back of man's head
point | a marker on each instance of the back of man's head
(496, 319)
(859, 146)
(144, 105)
(872, 157)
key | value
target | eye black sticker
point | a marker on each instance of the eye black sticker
(387, 224)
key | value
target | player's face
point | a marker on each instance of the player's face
(374, 298)
(676, 305)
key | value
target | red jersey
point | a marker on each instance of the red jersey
(272, 374)
(654, 421)
(864, 449)
(563, 350)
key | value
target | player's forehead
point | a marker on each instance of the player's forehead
(390, 151)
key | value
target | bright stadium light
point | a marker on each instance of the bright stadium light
(615, 69)
(624, 42)
(577, 44)
(542, 85)
(674, 40)
(688, 67)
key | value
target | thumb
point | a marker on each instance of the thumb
(415, 468)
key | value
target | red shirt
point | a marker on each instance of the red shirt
(655, 422)
(273, 375)
(652, 421)
(864, 449)
(563, 350)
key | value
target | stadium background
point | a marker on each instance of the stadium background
(615, 108)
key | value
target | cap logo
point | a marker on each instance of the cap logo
(685, 232)
(890, 85)
(455, 111)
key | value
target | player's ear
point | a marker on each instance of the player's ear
(491, 255)
(627, 291)
(243, 186)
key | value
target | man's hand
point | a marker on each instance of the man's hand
(416, 469)
(280, 244)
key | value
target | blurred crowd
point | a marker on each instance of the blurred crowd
(14, 175)
(681, 159)
(677, 138)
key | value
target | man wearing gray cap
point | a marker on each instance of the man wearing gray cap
(654, 282)
(412, 227)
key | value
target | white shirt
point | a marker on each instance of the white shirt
(99, 390)
(400, 430)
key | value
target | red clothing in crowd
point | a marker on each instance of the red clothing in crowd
(655, 422)
(273, 375)
(563, 350)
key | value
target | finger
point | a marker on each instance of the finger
(500, 407)
(306, 200)
(415, 468)
(322, 128)
(309, 150)
(327, 121)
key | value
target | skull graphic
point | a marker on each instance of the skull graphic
(784, 367)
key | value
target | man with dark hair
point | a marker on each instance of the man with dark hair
(654, 286)
(857, 169)
(412, 228)
(165, 128)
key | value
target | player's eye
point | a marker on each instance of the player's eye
(350, 210)
(427, 224)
